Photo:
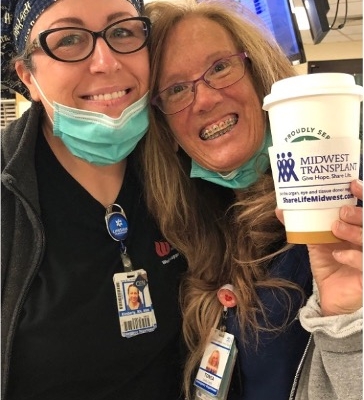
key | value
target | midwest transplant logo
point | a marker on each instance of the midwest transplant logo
(315, 174)
(286, 167)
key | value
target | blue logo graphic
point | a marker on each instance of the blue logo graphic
(286, 167)
(118, 226)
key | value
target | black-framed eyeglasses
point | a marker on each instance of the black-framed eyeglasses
(221, 74)
(71, 44)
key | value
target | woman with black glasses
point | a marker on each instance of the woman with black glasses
(75, 230)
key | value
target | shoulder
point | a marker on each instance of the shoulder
(16, 133)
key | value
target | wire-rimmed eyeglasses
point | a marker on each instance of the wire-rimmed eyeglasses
(221, 74)
(70, 44)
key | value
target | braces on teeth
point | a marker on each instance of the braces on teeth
(222, 126)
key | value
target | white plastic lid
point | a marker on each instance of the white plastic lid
(312, 85)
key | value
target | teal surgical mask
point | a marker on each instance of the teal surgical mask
(97, 138)
(242, 177)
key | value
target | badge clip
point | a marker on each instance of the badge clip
(116, 223)
(117, 226)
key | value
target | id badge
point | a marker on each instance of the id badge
(216, 368)
(135, 309)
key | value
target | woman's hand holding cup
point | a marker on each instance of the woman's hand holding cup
(337, 267)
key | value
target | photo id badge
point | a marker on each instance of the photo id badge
(135, 309)
(216, 368)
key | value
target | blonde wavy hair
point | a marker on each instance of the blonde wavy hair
(225, 237)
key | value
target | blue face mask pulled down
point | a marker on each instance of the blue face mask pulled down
(242, 177)
(97, 138)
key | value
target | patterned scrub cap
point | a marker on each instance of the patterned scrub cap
(17, 20)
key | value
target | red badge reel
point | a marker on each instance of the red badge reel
(227, 296)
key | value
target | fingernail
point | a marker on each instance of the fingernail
(346, 212)
(359, 182)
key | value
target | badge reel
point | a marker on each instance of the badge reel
(215, 371)
(135, 309)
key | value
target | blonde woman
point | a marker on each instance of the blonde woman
(210, 186)
(213, 362)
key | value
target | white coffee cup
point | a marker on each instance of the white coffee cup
(314, 121)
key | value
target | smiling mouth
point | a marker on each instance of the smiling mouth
(219, 129)
(107, 96)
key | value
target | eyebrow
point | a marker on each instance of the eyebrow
(78, 21)
(210, 61)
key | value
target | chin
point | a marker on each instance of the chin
(224, 168)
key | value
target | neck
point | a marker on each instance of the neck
(102, 182)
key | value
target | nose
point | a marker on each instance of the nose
(206, 97)
(103, 59)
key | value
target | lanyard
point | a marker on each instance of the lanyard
(117, 226)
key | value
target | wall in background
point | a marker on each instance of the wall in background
(331, 51)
